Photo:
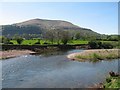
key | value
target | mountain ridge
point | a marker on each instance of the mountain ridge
(37, 26)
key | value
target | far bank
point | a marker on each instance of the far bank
(95, 55)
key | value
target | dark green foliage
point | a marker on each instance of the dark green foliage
(93, 44)
(37, 43)
(10, 42)
(5, 40)
(77, 36)
(100, 45)
(45, 43)
(112, 38)
(19, 40)
(13, 29)
(108, 80)
(65, 37)
(107, 46)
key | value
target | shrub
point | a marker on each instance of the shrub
(45, 43)
(108, 80)
(10, 42)
(93, 44)
(19, 40)
(100, 45)
(5, 40)
(107, 46)
(37, 43)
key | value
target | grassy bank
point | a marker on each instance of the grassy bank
(112, 82)
(95, 55)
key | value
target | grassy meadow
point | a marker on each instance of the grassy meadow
(32, 42)
(71, 42)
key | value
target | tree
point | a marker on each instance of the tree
(58, 35)
(19, 40)
(1, 39)
(50, 35)
(4, 40)
(65, 37)
(77, 36)
(93, 44)
(100, 45)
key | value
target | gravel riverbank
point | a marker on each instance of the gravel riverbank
(14, 53)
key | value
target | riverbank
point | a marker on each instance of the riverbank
(95, 55)
(111, 82)
(14, 53)
(43, 47)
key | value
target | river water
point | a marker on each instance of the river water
(53, 70)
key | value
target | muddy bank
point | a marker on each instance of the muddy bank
(14, 53)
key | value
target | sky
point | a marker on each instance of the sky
(101, 17)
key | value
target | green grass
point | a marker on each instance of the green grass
(71, 42)
(29, 42)
(98, 55)
(32, 42)
(78, 42)
(112, 82)
(92, 57)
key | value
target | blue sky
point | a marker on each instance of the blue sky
(100, 17)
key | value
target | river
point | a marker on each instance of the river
(53, 70)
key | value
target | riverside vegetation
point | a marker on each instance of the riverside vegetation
(112, 81)
(95, 55)
(101, 54)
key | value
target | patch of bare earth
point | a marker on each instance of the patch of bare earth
(14, 53)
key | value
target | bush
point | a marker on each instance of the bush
(45, 43)
(93, 44)
(108, 80)
(10, 42)
(19, 40)
(5, 40)
(100, 45)
(107, 46)
(37, 43)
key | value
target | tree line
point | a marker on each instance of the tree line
(51, 35)
(59, 36)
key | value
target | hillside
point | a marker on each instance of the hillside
(39, 26)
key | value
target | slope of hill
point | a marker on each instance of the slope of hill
(39, 26)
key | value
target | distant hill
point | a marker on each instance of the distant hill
(39, 26)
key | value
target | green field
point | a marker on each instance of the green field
(32, 42)
(71, 42)
(78, 42)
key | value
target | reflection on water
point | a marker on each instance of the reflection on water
(52, 70)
